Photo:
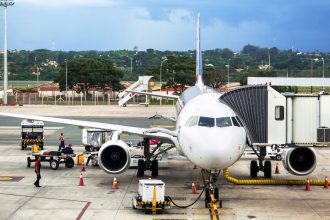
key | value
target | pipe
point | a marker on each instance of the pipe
(268, 181)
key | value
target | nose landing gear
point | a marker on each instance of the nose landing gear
(211, 192)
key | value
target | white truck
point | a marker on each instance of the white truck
(151, 196)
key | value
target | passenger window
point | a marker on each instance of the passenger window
(223, 122)
(235, 122)
(206, 122)
(279, 112)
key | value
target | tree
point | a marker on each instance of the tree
(180, 71)
(84, 73)
(215, 78)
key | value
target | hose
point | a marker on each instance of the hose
(183, 207)
(268, 181)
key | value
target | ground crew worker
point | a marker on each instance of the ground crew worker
(61, 142)
(37, 166)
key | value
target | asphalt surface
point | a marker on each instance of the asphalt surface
(10, 127)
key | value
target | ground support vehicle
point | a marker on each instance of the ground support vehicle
(32, 133)
(54, 159)
(151, 196)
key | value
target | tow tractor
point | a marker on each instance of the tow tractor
(32, 133)
(151, 196)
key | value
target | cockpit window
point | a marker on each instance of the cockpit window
(235, 122)
(192, 121)
(223, 122)
(239, 121)
(206, 122)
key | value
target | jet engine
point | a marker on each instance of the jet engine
(114, 157)
(300, 160)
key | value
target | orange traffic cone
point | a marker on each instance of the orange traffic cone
(193, 188)
(197, 183)
(277, 171)
(326, 183)
(308, 185)
(81, 181)
(82, 168)
(114, 183)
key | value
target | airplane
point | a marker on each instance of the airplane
(207, 132)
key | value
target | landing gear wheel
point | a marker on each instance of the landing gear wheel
(69, 163)
(141, 168)
(254, 169)
(28, 162)
(154, 168)
(268, 170)
(278, 157)
(207, 197)
(54, 164)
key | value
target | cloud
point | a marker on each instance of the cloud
(60, 3)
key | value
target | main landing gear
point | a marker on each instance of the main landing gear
(150, 161)
(265, 166)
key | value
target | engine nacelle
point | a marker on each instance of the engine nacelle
(299, 161)
(114, 157)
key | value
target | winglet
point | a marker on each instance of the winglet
(199, 65)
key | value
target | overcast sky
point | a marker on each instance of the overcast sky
(167, 24)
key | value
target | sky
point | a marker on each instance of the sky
(166, 25)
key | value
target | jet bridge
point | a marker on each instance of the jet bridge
(272, 118)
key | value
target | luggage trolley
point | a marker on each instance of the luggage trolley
(32, 133)
(54, 158)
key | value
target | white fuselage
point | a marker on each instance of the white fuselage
(209, 133)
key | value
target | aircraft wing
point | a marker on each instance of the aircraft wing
(153, 94)
(160, 133)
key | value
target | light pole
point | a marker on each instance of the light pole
(228, 73)
(5, 4)
(66, 81)
(323, 75)
(160, 78)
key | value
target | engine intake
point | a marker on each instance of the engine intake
(114, 157)
(299, 161)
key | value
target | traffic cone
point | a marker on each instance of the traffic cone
(81, 181)
(277, 171)
(82, 168)
(308, 185)
(114, 183)
(197, 183)
(193, 188)
(326, 183)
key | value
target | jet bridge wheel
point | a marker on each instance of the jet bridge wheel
(268, 169)
(254, 169)
(141, 168)
(154, 168)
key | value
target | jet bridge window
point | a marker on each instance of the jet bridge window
(223, 122)
(206, 122)
(279, 112)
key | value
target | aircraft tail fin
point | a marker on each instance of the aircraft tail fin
(199, 63)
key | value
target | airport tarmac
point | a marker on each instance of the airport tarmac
(61, 198)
